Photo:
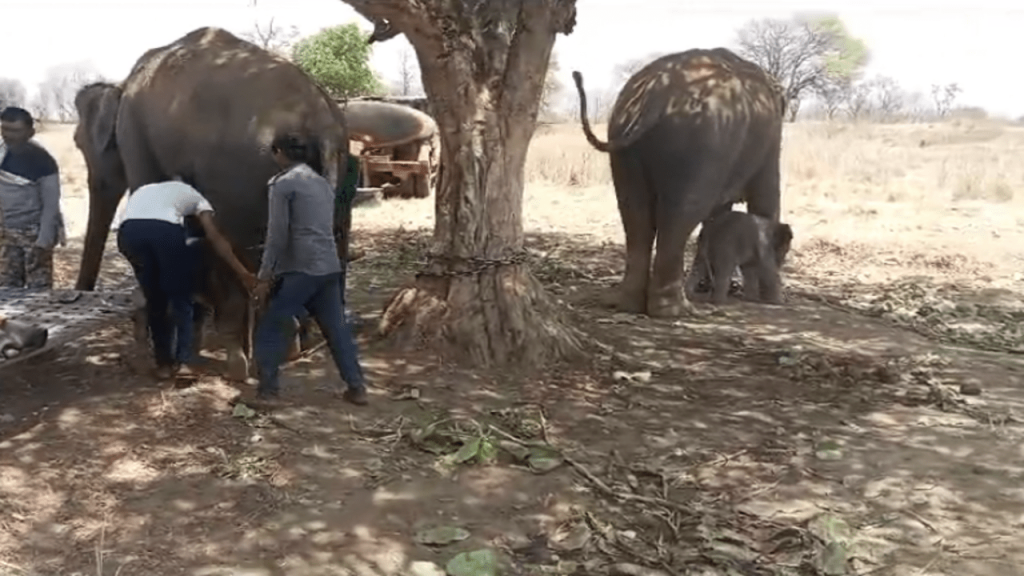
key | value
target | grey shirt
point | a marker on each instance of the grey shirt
(30, 194)
(300, 225)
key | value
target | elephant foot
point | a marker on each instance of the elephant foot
(621, 300)
(670, 306)
(238, 366)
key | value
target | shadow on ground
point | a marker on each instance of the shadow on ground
(749, 440)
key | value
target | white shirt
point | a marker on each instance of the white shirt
(168, 201)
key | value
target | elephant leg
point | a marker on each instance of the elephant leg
(723, 262)
(682, 205)
(763, 190)
(770, 283)
(199, 315)
(752, 285)
(105, 193)
(231, 319)
(636, 208)
(140, 318)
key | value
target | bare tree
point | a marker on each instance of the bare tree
(889, 98)
(483, 67)
(944, 97)
(622, 71)
(553, 87)
(12, 93)
(408, 69)
(832, 93)
(804, 53)
(858, 100)
(59, 86)
(273, 37)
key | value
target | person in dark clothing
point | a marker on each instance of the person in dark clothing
(153, 238)
(301, 270)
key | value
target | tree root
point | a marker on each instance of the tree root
(500, 315)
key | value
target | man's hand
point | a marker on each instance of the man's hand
(249, 281)
(261, 290)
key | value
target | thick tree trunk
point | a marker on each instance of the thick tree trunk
(483, 72)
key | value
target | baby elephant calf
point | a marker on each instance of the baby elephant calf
(756, 244)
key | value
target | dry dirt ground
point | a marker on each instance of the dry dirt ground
(870, 426)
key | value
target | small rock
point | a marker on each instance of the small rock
(6, 418)
(970, 389)
(421, 568)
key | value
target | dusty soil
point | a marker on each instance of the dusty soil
(870, 426)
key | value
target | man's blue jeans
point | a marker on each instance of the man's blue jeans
(321, 297)
(165, 269)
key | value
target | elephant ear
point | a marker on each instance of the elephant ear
(782, 240)
(101, 118)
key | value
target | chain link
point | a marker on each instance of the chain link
(444, 266)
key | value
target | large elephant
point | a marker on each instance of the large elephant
(205, 108)
(689, 133)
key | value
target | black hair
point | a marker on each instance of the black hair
(299, 149)
(293, 147)
(15, 114)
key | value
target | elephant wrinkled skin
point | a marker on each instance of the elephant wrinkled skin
(205, 108)
(757, 245)
(689, 133)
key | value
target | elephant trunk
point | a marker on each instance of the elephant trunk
(600, 146)
(102, 206)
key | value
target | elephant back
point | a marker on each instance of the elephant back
(714, 83)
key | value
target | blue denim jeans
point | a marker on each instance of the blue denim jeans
(165, 269)
(321, 297)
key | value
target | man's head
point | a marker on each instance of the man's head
(289, 149)
(16, 127)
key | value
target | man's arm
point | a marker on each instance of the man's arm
(223, 247)
(49, 221)
(278, 216)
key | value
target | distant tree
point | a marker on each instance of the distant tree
(858, 100)
(553, 87)
(273, 37)
(944, 97)
(889, 98)
(338, 58)
(59, 86)
(408, 83)
(807, 54)
(622, 71)
(12, 93)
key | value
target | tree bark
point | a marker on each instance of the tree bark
(483, 64)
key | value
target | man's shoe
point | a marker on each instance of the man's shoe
(164, 372)
(260, 401)
(355, 396)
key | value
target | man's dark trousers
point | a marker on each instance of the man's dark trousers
(293, 293)
(165, 268)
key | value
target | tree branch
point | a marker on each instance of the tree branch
(392, 18)
(530, 52)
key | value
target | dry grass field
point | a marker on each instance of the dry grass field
(869, 426)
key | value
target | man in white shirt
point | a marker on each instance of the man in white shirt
(152, 236)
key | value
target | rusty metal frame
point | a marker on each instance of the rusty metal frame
(66, 315)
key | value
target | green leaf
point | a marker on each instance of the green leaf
(468, 451)
(543, 460)
(488, 450)
(482, 562)
(243, 411)
(833, 559)
(441, 535)
(518, 451)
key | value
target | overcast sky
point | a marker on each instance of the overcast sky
(918, 42)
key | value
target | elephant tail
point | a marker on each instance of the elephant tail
(601, 146)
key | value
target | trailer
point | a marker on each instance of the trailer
(399, 147)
